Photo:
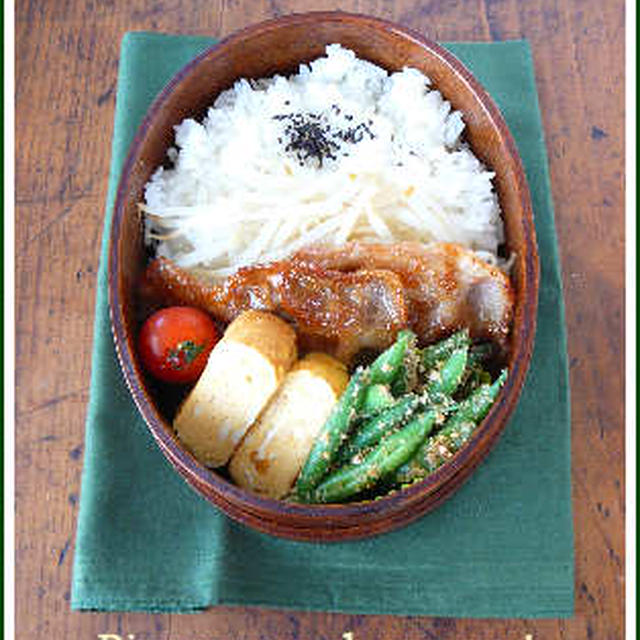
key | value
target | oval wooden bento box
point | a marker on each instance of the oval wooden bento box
(280, 46)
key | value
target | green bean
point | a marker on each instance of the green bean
(477, 405)
(386, 366)
(334, 431)
(381, 461)
(443, 382)
(440, 351)
(455, 432)
(374, 429)
(407, 378)
(376, 398)
(434, 452)
(446, 379)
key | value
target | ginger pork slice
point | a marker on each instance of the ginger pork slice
(243, 371)
(273, 451)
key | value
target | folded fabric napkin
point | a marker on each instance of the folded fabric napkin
(500, 547)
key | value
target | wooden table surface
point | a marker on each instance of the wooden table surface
(66, 67)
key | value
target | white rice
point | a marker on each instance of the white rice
(236, 195)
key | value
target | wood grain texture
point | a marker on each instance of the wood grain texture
(66, 67)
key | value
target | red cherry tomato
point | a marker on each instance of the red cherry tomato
(174, 344)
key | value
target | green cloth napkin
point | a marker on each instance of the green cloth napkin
(501, 547)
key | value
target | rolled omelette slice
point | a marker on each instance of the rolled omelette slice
(243, 371)
(273, 451)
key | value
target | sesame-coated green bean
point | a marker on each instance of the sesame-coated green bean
(376, 398)
(332, 433)
(447, 378)
(335, 430)
(386, 366)
(437, 353)
(408, 374)
(381, 461)
(374, 429)
(438, 448)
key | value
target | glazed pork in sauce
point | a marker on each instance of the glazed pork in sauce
(340, 313)
(447, 286)
(359, 295)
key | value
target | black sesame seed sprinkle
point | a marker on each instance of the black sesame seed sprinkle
(310, 137)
